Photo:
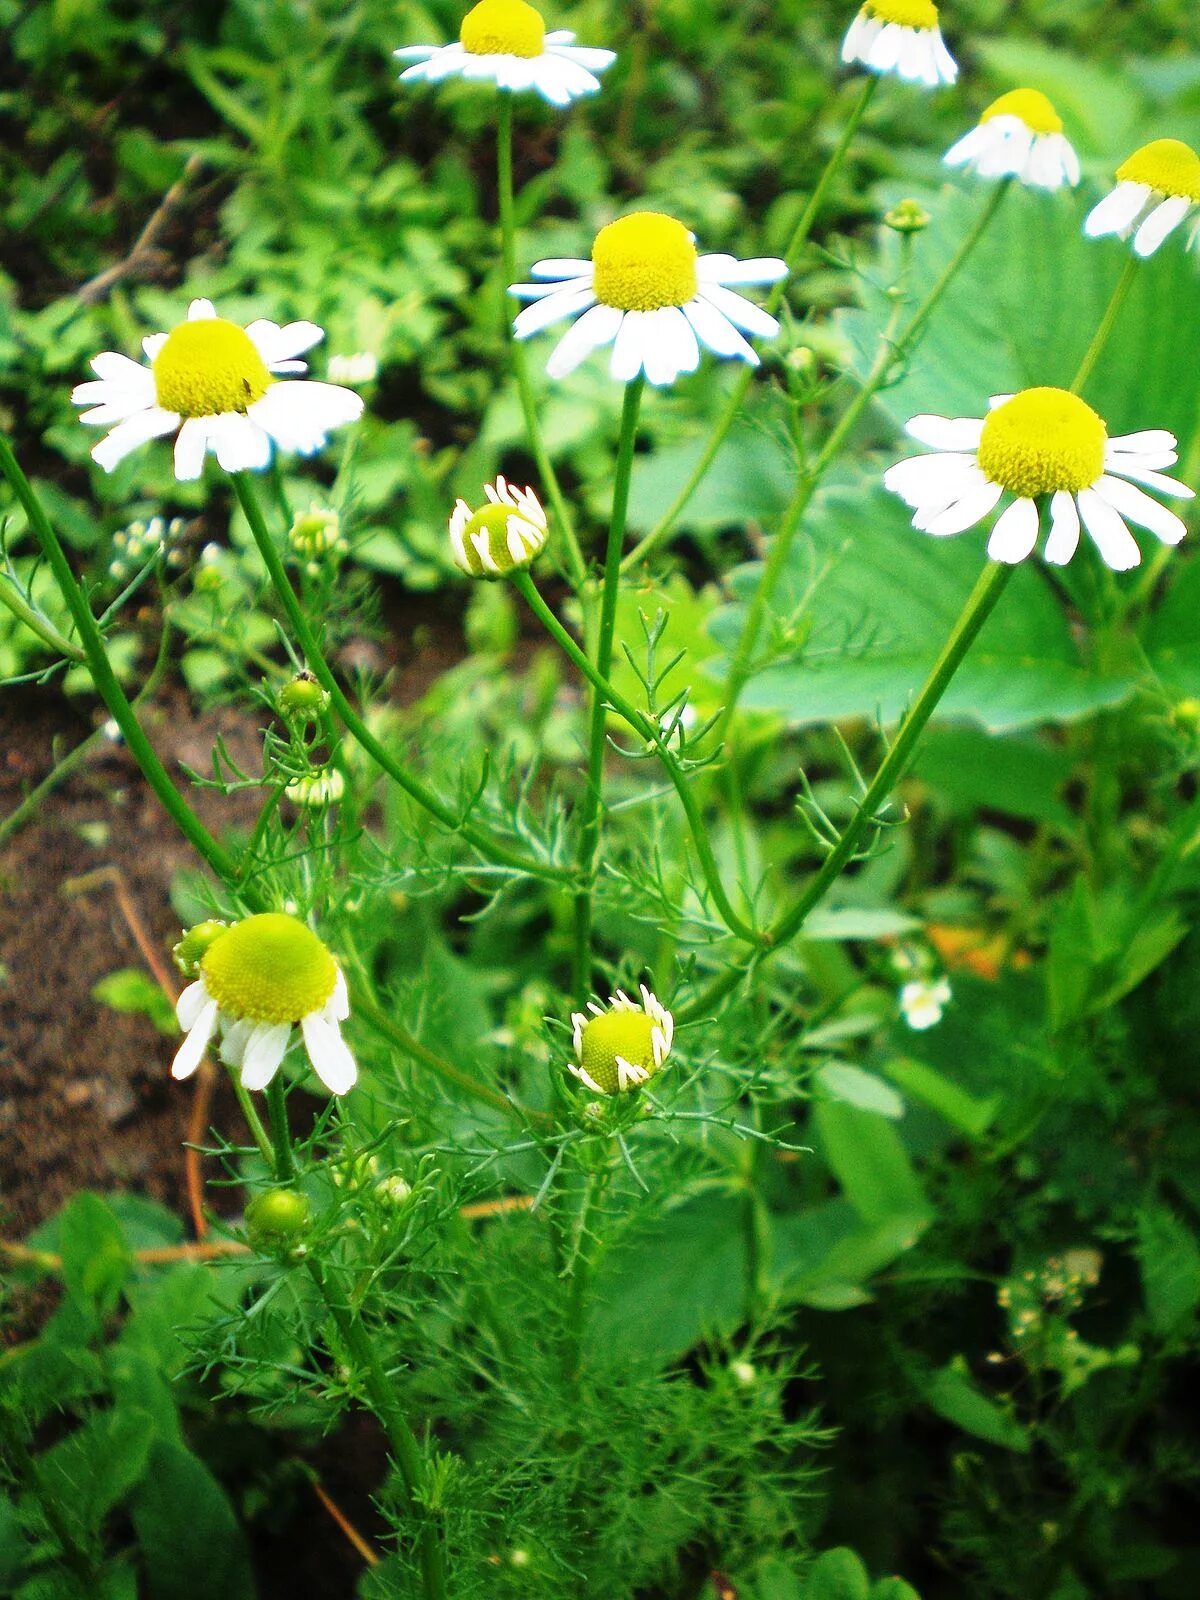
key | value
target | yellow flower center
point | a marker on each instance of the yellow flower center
(208, 367)
(1031, 106)
(1168, 165)
(628, 1034)
(503, 28)
(644, 262)
(493, 519)
(904, 13)
(1043, 440)
(269, 968)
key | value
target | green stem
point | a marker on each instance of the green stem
(742, 386)
(581, 1265)
(589, 833)
(894, 349)
(489, 848)
(13, 598)
(281, 1135)
(377, 1018)
(105, 679)
(520, 366)
(253, 1120)
(646, 729)
(1107, 323)
(406, 1452)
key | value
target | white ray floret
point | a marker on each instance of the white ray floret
(504, 534)
(1053, 456)
(505, 42)
(621, 1046)
(1156, 191)
(646, 292)
(903, 37)
(216, 386)
(1021, 136)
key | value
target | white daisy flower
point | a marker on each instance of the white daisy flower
(506, 41)
(622, 1047)
(1157, 188)
(216, 386)
(1039, 445)
(646, 292)
(900, 36)
(257, 981)
(922, 1002)
(1019, 136)
(504, 534)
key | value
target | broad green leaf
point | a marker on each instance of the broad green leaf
(894, 1589)
(837, 1575)
(97, 1465)
(953, 1394)
(839, 1081)
(131, 990)
(1169, 1256)
(870, 1162)
(192, 1545)
(824, 1255)
(96, 1260)
(962, 1110)
(1020, 776)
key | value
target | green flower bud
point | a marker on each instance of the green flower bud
(302, 699)
(908, 216)
(190, 949)
(502, 536)
(276, 1216)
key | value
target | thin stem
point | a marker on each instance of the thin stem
(894, 348)
(424, 796)
(646, 729)
(589, 833)
(1107, 323)
(253, 1121)
(742, 386)
(281, 1135)
(520, 366)
(406, 1452)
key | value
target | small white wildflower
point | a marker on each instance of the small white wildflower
(357, 369)
(1020, 135)
(923, 1000)
(505, 42)
(1157, 189)
(901, 37)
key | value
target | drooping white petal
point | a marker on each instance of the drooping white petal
(671, 347)
(233, 1044)
(191, 1003)
(240, 445)
(629, 347)
(1118, 211)
(554, 308)
(933, 480)
(190, 447)
(1152, 480)
(1112, 538)
(339, 1000)
(743, 313)
(134, 431)
(265, 1049)
(964, 513)
(595, 328)
(1064, 529)
(1015, 534)
(972, 144)
(191, 1052)
(300, 415)
(330, 1055)
(1138, 507)
(717, 332)
(1161, 222)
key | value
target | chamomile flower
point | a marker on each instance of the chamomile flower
(504, 534)
(258, 980)
(622, 1047)
(922, 1002)
(649, 294)
(216, 386)
(1037, 446)
(1157, 189)
(900, 36)
(506, 41)
(1019, 136)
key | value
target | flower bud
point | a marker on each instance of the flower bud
(907, 216)
(325, 787)
(502, 536)
(302, 699)
(276, 1216)
(188, 951)
(316, 532)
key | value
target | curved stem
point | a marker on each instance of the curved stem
(1107, 323)
(424, 796)
(589, 833)
(406, 1452)
(520, 366)
(281, 1133)
(646, 729)
(745, 378)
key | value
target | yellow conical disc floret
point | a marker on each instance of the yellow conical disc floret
(269, 968)
(503, 28)
(644, 262)
(624, 1035)
(904, 13)
(208, 367)
(1166, 165)
(1041, 441)
(1029, 105)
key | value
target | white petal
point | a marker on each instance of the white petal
(1118, 211)
(1152, 480)
(329, 1054)
(416, 52)
(596, 327)
(971, 144)
(191, 1051)
(265, 1049)
(728, 270)
(1152, 440)
(114, 368)
(671, 346)
(233, 1045)
(1112, 538)
(884, 54)
(716, 331)
(299, 415)
(1161, 222)
(1138, 507)
(134, 431)
(1015, 534)
(201, 311)
(964, 513)
(946, 433)
(945, 63)
(743, 313)
(1064, 529)
(539, 291)
(629, 349)
(190, 447)
(859, 35)
(544, 313)
(275, 344)
(586, 55)
(933, 481)
(561, 267)
(191, 1003)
